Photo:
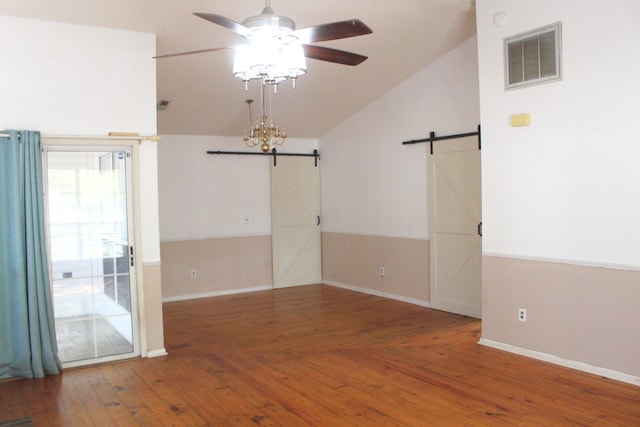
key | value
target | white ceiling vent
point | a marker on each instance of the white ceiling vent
(533, 57)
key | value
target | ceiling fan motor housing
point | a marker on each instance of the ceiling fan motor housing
(269, 21)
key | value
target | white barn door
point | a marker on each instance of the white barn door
(455, 210)
(295, 222)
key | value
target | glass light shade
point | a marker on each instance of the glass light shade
(242, 64)
(271, 59)
(294, 60)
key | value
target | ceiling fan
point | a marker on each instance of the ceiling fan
(270, 35)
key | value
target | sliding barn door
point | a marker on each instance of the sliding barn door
(295, 222)
(455, 230)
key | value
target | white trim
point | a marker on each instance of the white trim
(580, 366)
(93, 361)
(216, 237)
(578, 263)
(151, 263)
(216, 293)
(157, 352)
(138, 138)
(326, 282)
(139, 266)
(386, 236)
(232, 236)
(379, 293)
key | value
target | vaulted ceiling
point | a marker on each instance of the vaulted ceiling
(205, 99)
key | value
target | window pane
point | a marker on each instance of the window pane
(124, 292)
(113, 335)
(76, 339)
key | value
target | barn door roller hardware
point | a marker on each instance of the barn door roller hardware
(433, 138)
(273, 152)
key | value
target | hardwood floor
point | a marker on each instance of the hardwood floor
(323, 356)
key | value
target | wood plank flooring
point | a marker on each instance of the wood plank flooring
(321, 356)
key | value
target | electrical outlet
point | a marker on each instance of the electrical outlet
(522, 314)
(194, 273)
(381, 271)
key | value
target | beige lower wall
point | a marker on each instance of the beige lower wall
(579, 313)
(355, 260)
(152, 327)
(244, 263)
(222, 265)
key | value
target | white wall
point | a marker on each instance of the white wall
(374, 189)
(371, 183)
(560, 197)
(565, 188)
(77, 80)
(205, 196)
(71, 78)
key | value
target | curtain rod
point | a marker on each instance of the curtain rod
(108, 137)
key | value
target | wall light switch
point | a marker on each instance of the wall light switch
(521, 120)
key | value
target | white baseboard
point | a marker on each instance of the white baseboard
(567, 261)
(157, 352)
(216, 293)
(580, 366)
(268, 287)
(378, 293)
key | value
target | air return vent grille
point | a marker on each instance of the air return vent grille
(533, 57)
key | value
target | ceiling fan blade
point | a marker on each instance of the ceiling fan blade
(332, 55)
(227, 23)
(332, 31)
(169, 55)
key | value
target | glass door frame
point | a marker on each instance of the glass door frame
(128, 147)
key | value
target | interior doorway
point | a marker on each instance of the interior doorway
(88, 194)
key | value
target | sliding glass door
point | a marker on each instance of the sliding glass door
(91, 250)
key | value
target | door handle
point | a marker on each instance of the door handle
(480, 229)
(318, 219)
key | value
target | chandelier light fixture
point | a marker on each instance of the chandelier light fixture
(274, 53)
(264, 132)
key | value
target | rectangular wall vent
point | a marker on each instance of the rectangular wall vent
(533, 57)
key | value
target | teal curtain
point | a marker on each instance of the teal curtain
(27, 335)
